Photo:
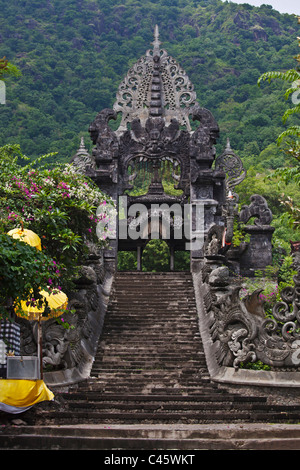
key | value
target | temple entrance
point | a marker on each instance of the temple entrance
(155, 256)
(159, 256)
(157, 167)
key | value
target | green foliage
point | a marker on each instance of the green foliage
(290, 76)
(182, 260)
(8, 69)
(286, 273)
(239, 234)
(24, 270)
(156, 256)
(74, 56)
(144, 174)
(127, 260)
(292, 172)
(258, 365)
(55, 203)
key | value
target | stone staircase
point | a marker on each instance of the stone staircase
(150, 388)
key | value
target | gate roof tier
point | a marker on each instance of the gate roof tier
(156, 86)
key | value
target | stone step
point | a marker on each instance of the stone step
(185, 347)
(186, 368)
(206, 415)
(139, 313)
(184, 359)
(175, 328)
(102, 372)
(152, 340)
(172, 349)
(148, 437)
(147, 292)
(150, 363)
(146, 373)
(160, 407)
(186, 328)
(150, 385)
(154, 298)
(153, 391)
(150, 274)
(185, 355)
(205, 396)
(138, 348)
(158, 387)
(175, 403)
(110, 416)
(160, 285)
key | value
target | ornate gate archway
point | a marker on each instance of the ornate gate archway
(158, 120)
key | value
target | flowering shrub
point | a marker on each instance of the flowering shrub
(57, 204)
(24, 271)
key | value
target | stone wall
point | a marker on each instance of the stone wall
(68, 353)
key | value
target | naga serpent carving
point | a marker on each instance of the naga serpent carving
(242, 330)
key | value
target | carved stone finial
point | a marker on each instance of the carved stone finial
(156, 43)
(82, 160)
(232, 165)
(155, 86)
(82, 146)
(156, 108)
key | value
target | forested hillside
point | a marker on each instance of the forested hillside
(74, 53)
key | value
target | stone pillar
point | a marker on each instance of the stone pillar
(139, 258)
(172, 258)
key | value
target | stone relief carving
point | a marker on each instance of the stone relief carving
(233, 167)
(259, 209)
(103, 137)
(240, 327)
(70, 350)
(155, 81)
(155, 142)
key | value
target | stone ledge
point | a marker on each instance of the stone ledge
(257, 377)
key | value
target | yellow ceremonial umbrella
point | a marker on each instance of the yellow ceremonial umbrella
(57, 302)
(27, 236)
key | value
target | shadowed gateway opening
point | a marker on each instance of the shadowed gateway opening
(156, 257)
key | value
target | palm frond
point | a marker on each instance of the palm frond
(289, 76)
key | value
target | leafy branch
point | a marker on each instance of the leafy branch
(8, 69)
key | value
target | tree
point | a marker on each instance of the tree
(6, 69)
(24, 273)
(156, 256)
(57, 204)
(291, 136)
(292, 76)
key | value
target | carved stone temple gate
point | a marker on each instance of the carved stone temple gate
(157, 105)
(159, 122)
